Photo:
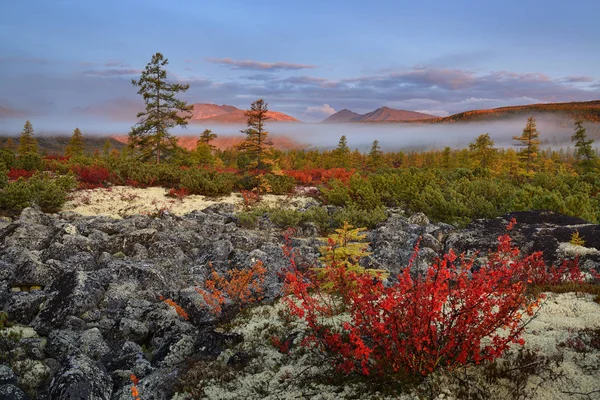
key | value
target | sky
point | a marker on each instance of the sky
(306, 58)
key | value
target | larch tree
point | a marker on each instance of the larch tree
(76, 146)
(150, 136)
(375, 157)
(530, 143)
(27, 143)
(483, 150)
(106, 149)
(257, 146)
(584, 152)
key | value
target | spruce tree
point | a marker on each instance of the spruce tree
(530, 143)
(27, 143)
(257, 146)
(76, 146)
(583, 144)
(163, 111)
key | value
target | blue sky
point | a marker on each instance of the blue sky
(306, 58)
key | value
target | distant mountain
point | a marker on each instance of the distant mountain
(383, 114)
(342, 116)
(584, 110)
(226, 114)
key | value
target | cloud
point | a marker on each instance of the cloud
(259, 66)
(578, 79)
(116, 63)
(324, 110)
(112, 72)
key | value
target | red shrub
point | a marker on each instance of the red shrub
(92, 176)
(448, 317)
(178, 193)
(15, 174)
(319, 175)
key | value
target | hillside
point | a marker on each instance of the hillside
(226, 114)
(382, 114)
(587, 111)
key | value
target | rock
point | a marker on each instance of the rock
(7, 376)
(156, 386)
(11, 392)
(72, 293)
(81, 378)
(92, 344)
(418, 219)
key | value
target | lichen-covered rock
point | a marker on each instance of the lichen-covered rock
(7, 376)
(81, 378)
(11, 392)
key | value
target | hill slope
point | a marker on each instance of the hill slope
(230, 115)
(586, 110)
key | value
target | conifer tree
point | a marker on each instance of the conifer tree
(342, 152)
(106, 149)
(530, 143)
(206, 137)
(583, 144)
(483, 150)
(257, 146)
(76, 145)
(27, 143)
(375, 158)
(163, 111)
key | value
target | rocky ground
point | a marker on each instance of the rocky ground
(82, 294)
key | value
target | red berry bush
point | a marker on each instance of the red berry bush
(447, 317)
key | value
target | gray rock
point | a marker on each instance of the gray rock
(7, 376)
(81, 378)
(92, 344)
(11, 392)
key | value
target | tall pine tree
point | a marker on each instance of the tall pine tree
(163, 111)
(257, 146)
(206, 137)
(27, 143)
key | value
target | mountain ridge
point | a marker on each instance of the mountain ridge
(382, 114)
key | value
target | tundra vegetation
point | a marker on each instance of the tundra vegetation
(390, 332)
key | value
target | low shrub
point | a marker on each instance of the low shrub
(280, 184)
(47, 192)
(447, 317)
(207, 183)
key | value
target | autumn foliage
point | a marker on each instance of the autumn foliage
(237, 286)
(447, 317)
(178, 309)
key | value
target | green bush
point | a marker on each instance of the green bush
(280, 184)
(41, 189)
(30, 162)
(208, 183)
(7, 157)
(3, 175)
(359, 217)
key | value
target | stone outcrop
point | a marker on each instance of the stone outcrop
(86, 291)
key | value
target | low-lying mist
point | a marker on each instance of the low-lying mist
(391, 136)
